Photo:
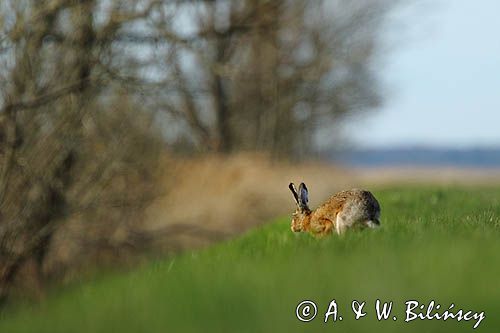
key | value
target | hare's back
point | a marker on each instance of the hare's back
(358, 202)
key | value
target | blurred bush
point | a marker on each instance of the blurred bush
(74, 146)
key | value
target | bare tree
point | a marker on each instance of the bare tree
(68, 143)
(266, 75)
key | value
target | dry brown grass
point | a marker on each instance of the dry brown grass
(232, 194)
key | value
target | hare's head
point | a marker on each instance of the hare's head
(302, 213)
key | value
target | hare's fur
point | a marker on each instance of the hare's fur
(347, 209)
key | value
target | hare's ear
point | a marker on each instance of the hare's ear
(303, 196)
(294, 192)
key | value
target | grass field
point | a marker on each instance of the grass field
(440, 244)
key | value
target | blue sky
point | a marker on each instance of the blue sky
(442, 78)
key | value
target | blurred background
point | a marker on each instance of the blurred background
(141, 127)
(441, 105)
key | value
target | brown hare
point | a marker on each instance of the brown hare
(346, 209)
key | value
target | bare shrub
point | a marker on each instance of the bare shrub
(72, 145)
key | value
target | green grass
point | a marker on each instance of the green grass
(439, 244)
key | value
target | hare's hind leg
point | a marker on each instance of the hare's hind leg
(372, 223)
(340, 224)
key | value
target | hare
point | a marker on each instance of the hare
(346, 209)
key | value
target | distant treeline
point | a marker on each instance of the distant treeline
(467, 157)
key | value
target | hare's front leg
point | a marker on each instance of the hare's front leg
(322, 227)
(328, 226)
